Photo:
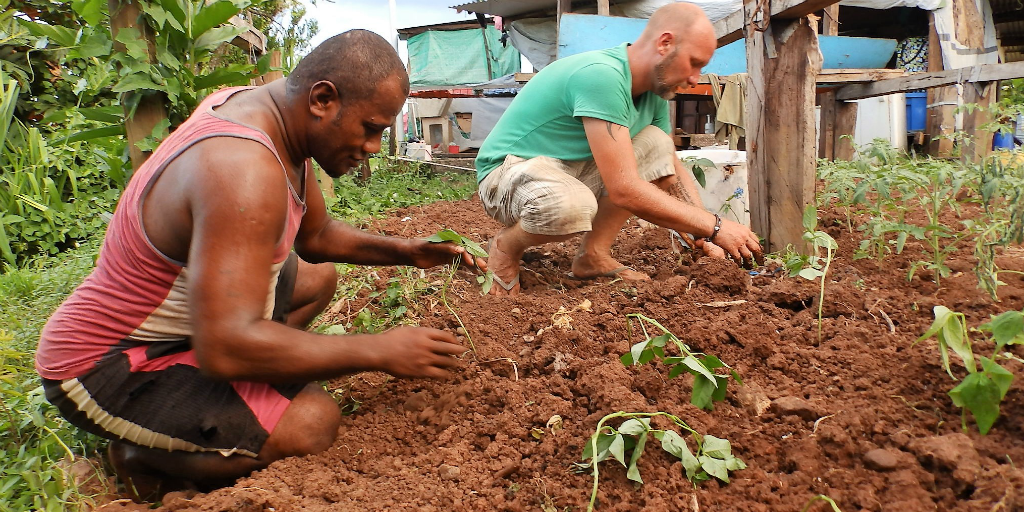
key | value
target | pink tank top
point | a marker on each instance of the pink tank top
(137, 297)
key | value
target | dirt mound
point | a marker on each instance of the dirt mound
(857, 414)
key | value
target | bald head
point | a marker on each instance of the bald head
(356, 62)
(685, 21)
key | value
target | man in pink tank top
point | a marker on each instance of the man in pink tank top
(186, 345)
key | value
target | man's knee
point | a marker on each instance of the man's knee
(309, 425)
(556, 214)
(653, 140)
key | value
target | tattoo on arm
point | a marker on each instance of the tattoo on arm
(608, 125)
(678, 191)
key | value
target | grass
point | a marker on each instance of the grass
(37, 445)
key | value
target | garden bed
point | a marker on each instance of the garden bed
(859, 415)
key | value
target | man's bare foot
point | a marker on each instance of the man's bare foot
(585, 267)
(141, 486)
(504, 268)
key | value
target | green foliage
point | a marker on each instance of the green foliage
(818, 240)
(883, 186)
(37, 444)
(712, 458)
(395, 184)
(1012, 92)
(708, 386)
(981, 391)
(697, 167)
(474, 249)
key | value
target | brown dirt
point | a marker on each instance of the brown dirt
(466, 443)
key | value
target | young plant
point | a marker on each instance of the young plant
(819, 240)
(713, 456)
(474, 249)
(940, 184)
(697, 167)
(983, 390)
(708, 387)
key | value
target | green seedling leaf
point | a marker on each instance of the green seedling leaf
(999, 375)
(714, 467)
(673, 443)
(810, 218)
(733, 463)
(445, 235)
(1007, 328)
(810, 273)
(635, 426)
(473, 248)
(716, 447)
(604, 440)
(694, 364)
(632, 472)
(980, 395)
(703, 392)
(618, 448)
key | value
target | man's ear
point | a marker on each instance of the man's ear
(665, 43)
(324, 100)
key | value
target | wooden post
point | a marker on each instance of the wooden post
(562, 7)
(941, 120)
(603, 9)
(827, 120)
(979, 142)
(150, 111)
(783, 62)
(846, 124)
(273, 74)
(830, 21)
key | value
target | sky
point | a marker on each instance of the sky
(337, 16)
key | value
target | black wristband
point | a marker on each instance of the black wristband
(716, 229)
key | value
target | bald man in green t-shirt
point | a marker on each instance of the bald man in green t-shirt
(585, 145)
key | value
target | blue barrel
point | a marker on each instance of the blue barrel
(917, 103)
(1002, 141)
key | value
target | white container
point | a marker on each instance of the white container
(726, 191)
(418, 151)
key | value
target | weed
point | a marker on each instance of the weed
(708, 387)
(982, 391)
(713, 457)
(474, 249)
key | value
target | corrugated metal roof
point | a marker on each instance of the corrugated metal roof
(507, 7)
(1008, 16)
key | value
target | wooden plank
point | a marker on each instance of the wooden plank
(603, 9)
(523, 77)
(827, 130)
(979, 143)
(731, 27)
(941, 101)
(252, 41)
(151, 110)
(757, 178)
(835, 76)
(845, 129)
(780, 152)
(830, 21)
(1007, 17)
(973, 74)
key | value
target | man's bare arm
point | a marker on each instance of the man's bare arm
(322, 238)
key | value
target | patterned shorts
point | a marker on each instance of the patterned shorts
(548, 196)
(169, 403)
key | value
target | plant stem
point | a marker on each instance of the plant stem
(444, 299)
(821, 297)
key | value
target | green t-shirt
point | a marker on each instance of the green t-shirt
(545, 118)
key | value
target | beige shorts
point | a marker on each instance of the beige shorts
(548, 196)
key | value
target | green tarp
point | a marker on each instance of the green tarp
(455, 57)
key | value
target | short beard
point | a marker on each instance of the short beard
(661, 86)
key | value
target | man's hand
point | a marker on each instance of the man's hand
(738, 242)
(417, 352)
(426, 254)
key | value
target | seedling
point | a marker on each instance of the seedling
(697, 166)
(708, 387)
(982, 391)
(474, 249)
(713, 457)
(818, 239)
(821, 497)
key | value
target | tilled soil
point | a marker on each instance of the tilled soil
(859, 415)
